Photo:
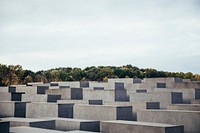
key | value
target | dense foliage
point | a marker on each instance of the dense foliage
(14, 74)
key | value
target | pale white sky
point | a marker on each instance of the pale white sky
(44, 34)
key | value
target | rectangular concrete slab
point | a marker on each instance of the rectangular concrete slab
(66, 124)
(23, 129)
(164, 98)
(138, 127)
(190, 119)
(192, 107)
(103, 112)
(12, 109)
(31, 122)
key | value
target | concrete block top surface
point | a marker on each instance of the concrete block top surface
(23, 129)
(13, 102)
(107, 106)
(141, 123)
(177, 111)
(68, 119)
(22, 119)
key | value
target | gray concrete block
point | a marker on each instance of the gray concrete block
(73, 101)
(102, 112)
(31, 122)
(66, 124)
(32, 130)
(12, 109)
(5, 96)
(139, 127)
(3, 89)
(41, 109)
(164, 98)
(187, 94)
(190, 119)
(121, 95)
(65, 93)
(106, 95)
(4, 127)
(96, 102)
(195, 101)
(192, 107)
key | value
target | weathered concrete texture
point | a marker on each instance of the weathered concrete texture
(137, 106)
(3, 89)
(65, 124)
(195, 101)
(31, 122)
(40, 109)
(67, 93)
(73, 101)
(190, 119)
(165, 98)
(105, 85)
(188, 94)
(35, 83)
(12, 109)
(106, 95)
(32, 89)
(35, 110)
(75, 84)
(6, 96)
(139, 127)
(4, 127)
(103, 112)
(23, 129)
(192, 107)
(40, 98)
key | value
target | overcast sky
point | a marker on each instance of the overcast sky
(44, 34)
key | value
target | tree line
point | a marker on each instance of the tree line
(15, 74)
